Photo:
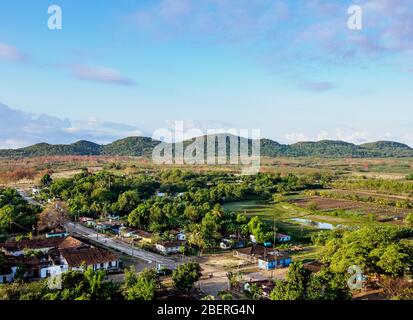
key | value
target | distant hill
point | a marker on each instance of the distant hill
(388, 148)
(143, 146)
(45, 149)
(132, 146)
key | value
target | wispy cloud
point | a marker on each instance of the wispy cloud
(101, 74)
(20, 129)
(217, 20)
(11, 53)
(312, 29)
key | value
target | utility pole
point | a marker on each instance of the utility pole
(273, 243)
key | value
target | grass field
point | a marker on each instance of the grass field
(281, 212)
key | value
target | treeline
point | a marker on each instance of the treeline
(143, 146)
(379, 185)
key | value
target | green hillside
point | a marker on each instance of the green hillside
(143, 146)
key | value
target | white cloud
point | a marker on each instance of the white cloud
(101, 74)
(348, 135)
(19, 129)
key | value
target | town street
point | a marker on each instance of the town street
(26, 196)
(151, 258)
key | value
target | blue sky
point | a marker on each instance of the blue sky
(290, 68)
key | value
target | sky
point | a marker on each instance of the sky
(292, 69)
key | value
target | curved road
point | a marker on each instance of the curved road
(150, 257)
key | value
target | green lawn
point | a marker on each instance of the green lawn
(283, 212)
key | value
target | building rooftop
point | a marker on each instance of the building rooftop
(172, 244)
(143, 234)
(88, 256)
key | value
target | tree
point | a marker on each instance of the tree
(87, 285)
(191, 213)
(303, 285)
(53, 216)
(259, 230)
(140, 286)
(373, 249)
(409, 219)
(255, 291)
(393, 260)
(294, 288)
(195, 237)
(327, 285)
(46, 180)
(19, 290)
(7, 216)
(209, 230)
(128, 201)
(139, 217)
(185, 275)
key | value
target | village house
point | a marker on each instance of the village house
(168, 247)
(233, 242)
(18, 248)
(127, 232)
(273, 261)
(178, 234)
(144, 236)
(53, 257)
(267, 258)
(225, 244)
(283, 237)
(85, 219)
(113, 217)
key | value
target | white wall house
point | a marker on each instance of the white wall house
(169, 247)
(181, 236)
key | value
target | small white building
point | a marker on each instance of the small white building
(178, 234)
(168, 247)
(252, 238)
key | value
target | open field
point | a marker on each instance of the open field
(281, 212)
(15, 169)
(327, 204)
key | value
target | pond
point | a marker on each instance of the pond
(317, 224)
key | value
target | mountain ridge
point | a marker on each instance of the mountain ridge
(143, 146)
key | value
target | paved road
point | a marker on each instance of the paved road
(151, 258)
(25, 194)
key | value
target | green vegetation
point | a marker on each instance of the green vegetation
(143, 146)
(75, 285)
(301, 284)
(15, 213)
(140, 286)
(403, 203)
(379, 185)
(185, 275)
(374, 249)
